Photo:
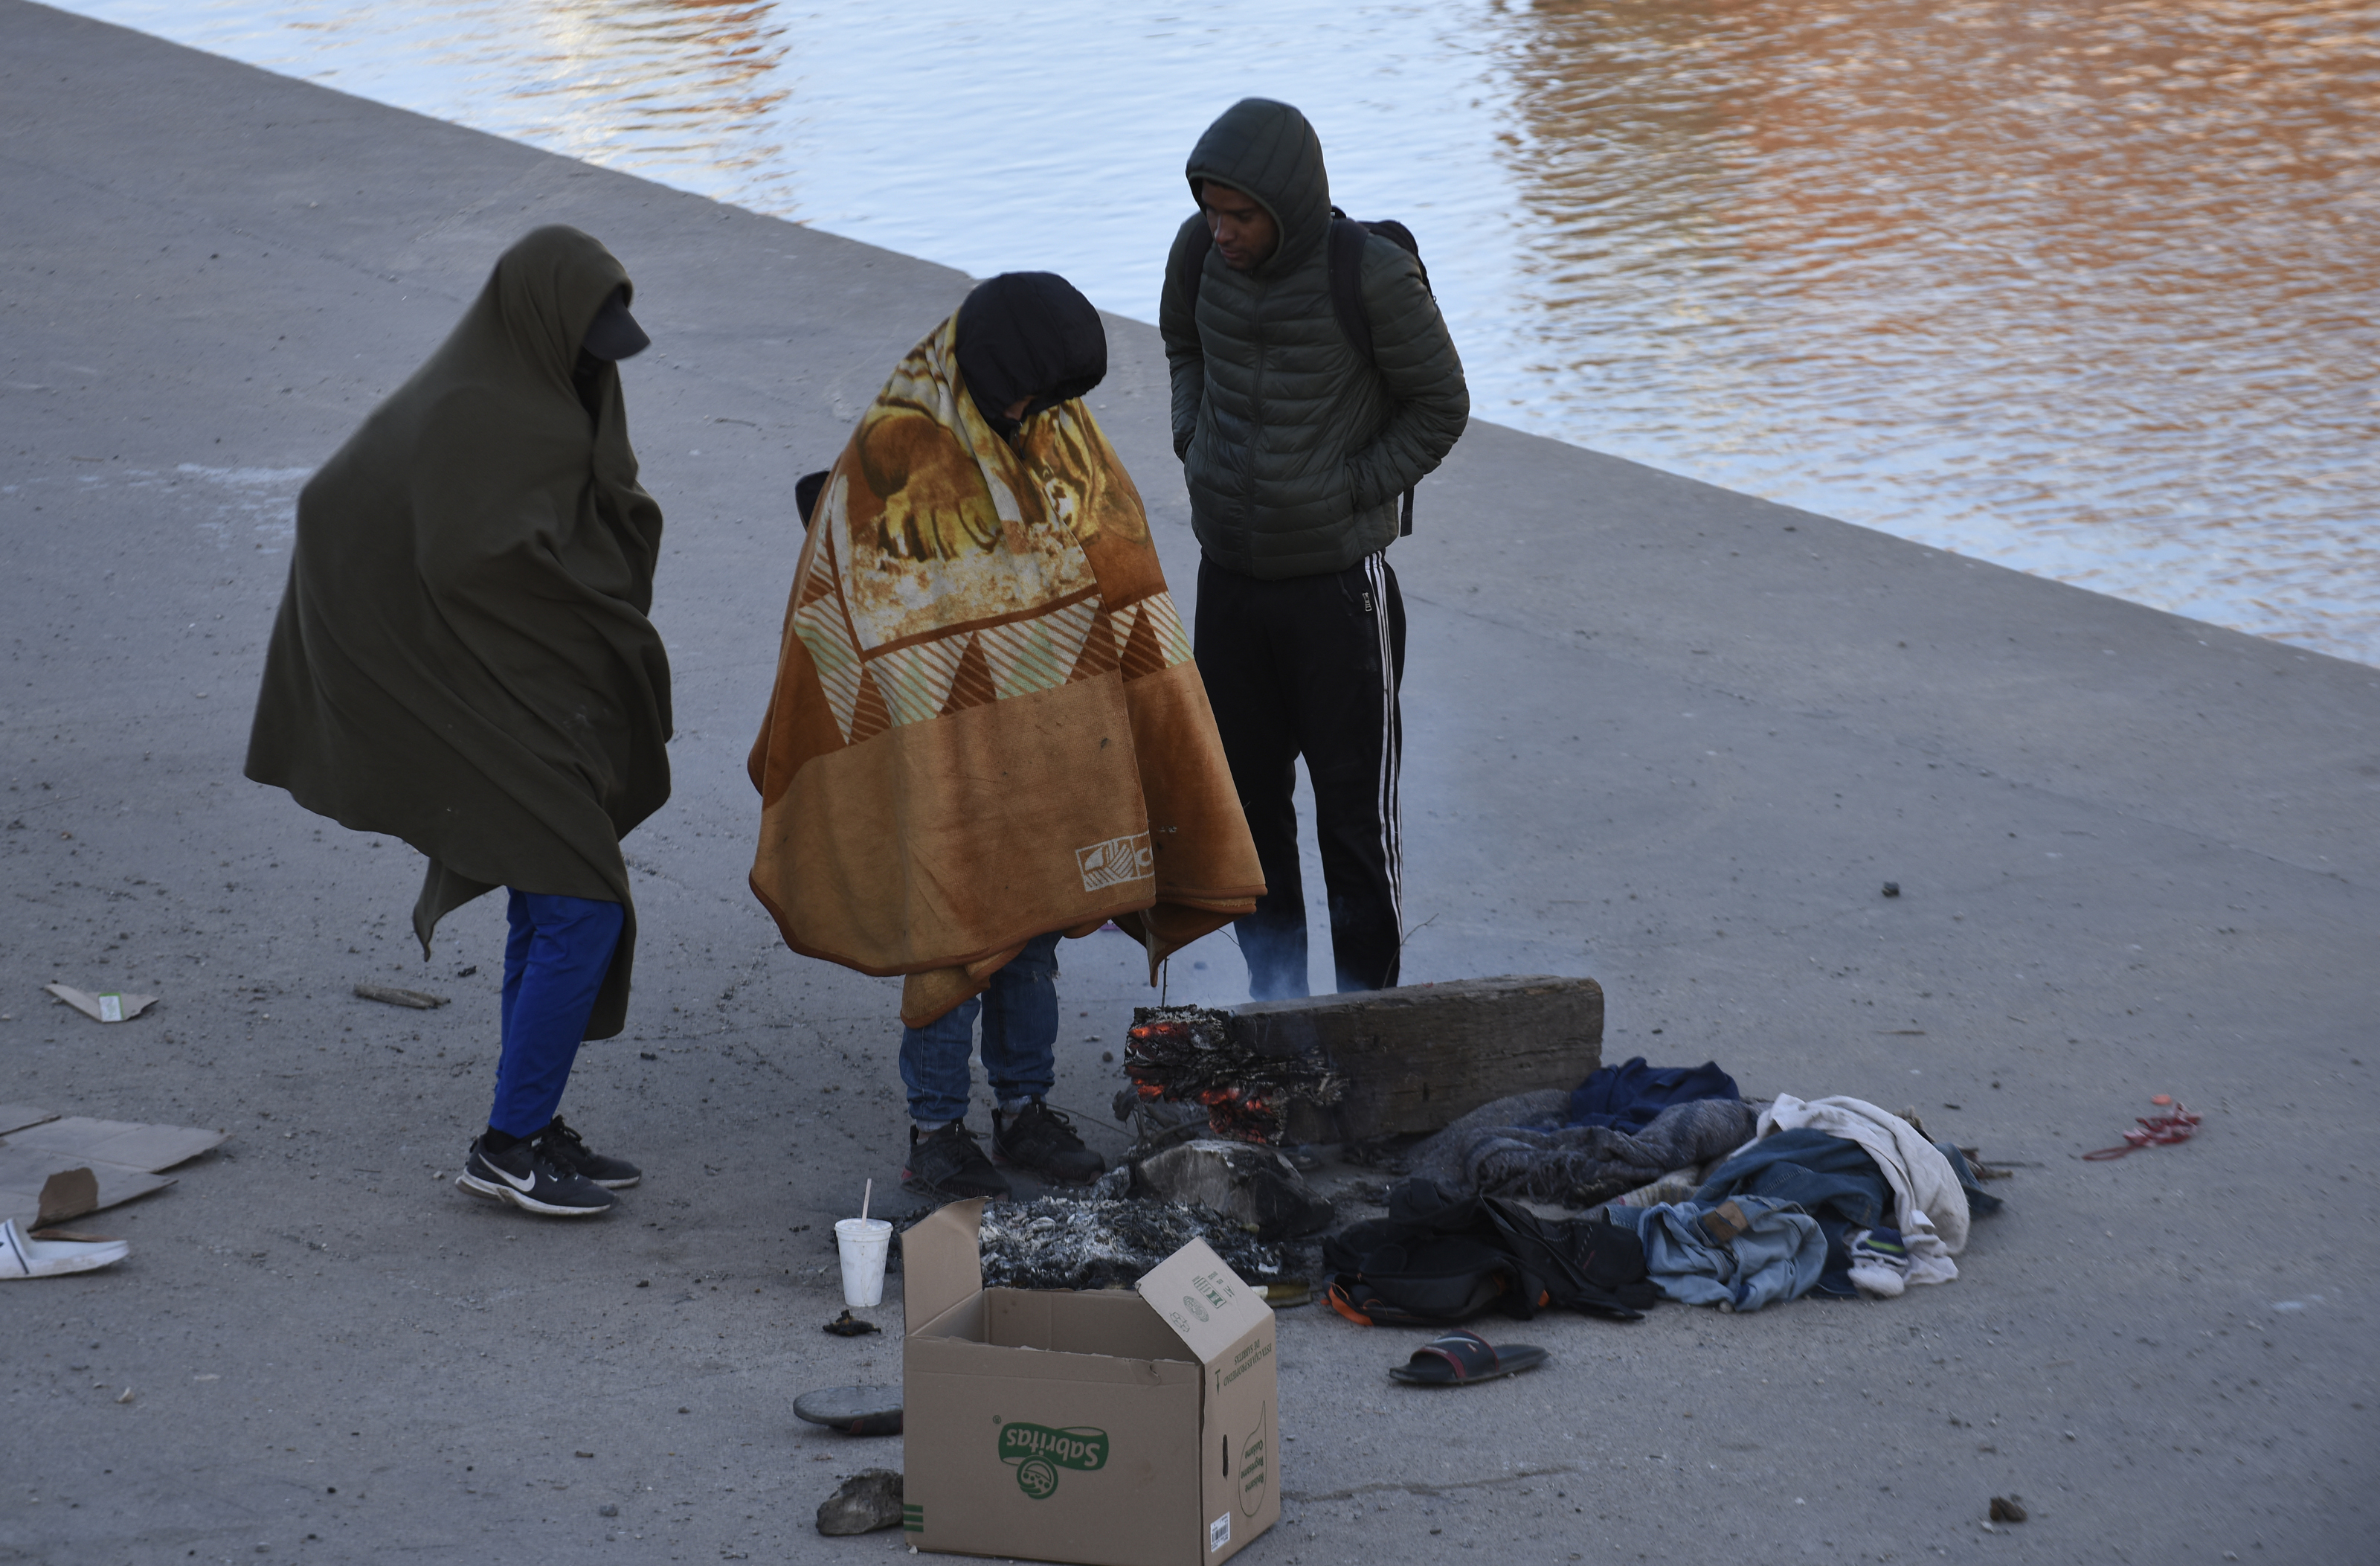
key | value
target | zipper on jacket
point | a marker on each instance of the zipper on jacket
(1256, 421)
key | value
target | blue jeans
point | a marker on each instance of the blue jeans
(1020, 1039)
(555, 958)
(1831, 1178)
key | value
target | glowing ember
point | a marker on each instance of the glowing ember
(1193, 1055)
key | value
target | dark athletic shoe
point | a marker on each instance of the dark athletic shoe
(569, 1153)
(532, 1182)
(1042, 1140)
(947, 1163)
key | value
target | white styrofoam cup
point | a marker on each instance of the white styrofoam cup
(865, 1242)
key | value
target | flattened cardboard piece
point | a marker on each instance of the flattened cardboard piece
(1047, 1424)
(1203, 1300)
(108, 1005)
(24, 1171)
(128, 1144)
(70, 1193)
(942, 1262)
(16, 1117)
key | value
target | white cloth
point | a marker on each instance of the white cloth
(1931, 1205)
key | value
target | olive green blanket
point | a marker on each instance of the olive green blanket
(462, 657)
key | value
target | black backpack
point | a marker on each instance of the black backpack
(1347, 236)
(1438, 1259)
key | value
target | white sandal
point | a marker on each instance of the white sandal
(24, 1258)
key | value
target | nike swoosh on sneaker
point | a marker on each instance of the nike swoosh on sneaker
(522, 1183)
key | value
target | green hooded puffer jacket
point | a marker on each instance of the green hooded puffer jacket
(1296, 450)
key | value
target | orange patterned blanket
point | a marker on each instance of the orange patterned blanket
(986, 722)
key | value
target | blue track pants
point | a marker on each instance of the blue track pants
(555, 958)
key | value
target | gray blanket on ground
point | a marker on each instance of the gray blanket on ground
(1518, 1147)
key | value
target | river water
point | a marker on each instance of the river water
(2083, 287)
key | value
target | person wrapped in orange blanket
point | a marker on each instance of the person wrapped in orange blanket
(986, 730)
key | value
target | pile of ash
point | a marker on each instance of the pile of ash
(1193, 1055)
(1060, 1242)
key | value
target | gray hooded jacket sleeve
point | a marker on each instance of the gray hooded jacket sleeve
(1295, 448)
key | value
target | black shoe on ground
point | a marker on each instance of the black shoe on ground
(530, 1181)
(568, 1152)
(947, 1163)
(1041, 1140)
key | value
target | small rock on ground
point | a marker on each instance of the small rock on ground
(866, 1502)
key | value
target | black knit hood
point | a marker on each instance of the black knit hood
(1029, 334)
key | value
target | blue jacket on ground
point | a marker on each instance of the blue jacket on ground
(1831, 1178)
(1629, 1096)
(1743, 1253)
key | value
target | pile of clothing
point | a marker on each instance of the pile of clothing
(1439, 1258)
(1624, 1127)
(1738, 1205)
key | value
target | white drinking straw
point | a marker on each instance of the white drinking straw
(864, 1198)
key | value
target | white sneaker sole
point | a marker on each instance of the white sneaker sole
(479, 1187)
(23, 1256)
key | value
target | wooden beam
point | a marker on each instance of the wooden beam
(1419, 1056)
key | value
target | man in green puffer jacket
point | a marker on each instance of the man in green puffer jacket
(1296, 448)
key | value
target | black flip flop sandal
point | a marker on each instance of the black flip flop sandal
(1459, 1359)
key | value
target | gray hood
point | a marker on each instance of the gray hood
(1268, 151)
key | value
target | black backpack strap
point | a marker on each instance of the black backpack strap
(1191, 271)
(1397, 234)
(1188, 273)
(1347, 238)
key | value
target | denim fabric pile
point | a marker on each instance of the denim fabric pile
(1738, 1205)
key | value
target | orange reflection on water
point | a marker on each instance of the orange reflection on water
(2088, 284)
(680, 78)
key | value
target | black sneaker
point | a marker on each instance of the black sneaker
(1042, 1139)
(530, 1181)
(947, 1163)
(568, 1152)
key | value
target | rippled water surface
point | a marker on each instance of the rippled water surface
(2084, 288)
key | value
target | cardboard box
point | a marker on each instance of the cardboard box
(1111, 1427)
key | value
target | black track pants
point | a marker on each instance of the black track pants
(1309, 666)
